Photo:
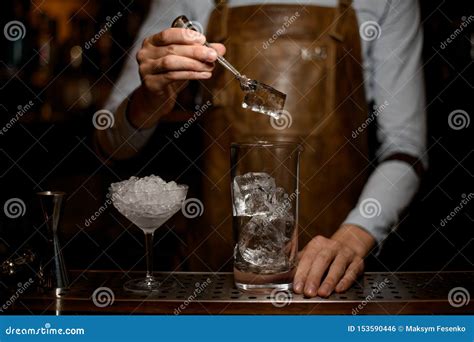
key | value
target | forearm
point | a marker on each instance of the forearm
(123, 140)
(146, 109)
(387, 193)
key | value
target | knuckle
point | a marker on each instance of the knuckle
(171, 49)
(163, 36)
(316, 241)
(330, 281)
(140, 56)
(160, 38)
(325, 255)
(200, 52)
(350, 276)
(320, 239)
(356, 271)
(335, 244)
(160, 65)
(347, 252)
(170, 76)
(190, 74)
(305, 260)
(167, 62)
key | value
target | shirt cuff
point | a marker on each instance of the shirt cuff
(387, 193)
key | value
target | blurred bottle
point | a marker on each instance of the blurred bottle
(76, 76)
(44, 61)
(16, 49)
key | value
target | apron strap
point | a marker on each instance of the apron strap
(223, 8)
(342, 10)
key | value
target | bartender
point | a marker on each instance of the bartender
(332, 58)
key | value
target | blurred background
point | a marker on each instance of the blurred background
(54, 79)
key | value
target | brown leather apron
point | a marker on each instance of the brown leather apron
(313, 55)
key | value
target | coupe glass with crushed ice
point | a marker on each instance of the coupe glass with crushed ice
(265, 214)
(148, 203)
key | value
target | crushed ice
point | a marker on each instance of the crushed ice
(147, 196)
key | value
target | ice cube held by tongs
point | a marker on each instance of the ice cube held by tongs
(259, 97)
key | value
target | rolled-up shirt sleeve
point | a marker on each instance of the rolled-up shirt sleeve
(396, 84)
(122, 138)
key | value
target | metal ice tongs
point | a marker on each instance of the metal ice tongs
(183, 22)
(259, 97)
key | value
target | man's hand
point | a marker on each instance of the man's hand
(332, 264)
(167, 61)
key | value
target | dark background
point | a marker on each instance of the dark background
(51, 146)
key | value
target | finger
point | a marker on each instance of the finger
(318, 268)
(303, 268)
(187, 75)
(157, 82)
(353, 271)
(220, 48)
(335, 273)
(174, 63)
(176, 36)
(198, 52)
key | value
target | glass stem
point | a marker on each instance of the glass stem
(149, 255)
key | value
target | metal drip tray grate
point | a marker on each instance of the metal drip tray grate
(206, 287)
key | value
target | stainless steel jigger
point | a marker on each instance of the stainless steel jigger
(53, 273)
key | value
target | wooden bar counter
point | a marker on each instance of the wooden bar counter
(101, 292)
